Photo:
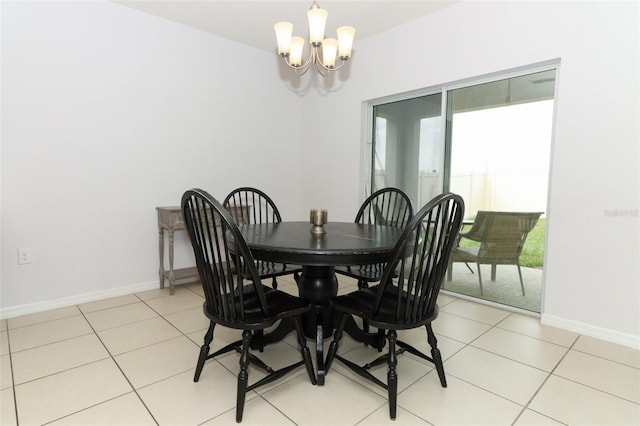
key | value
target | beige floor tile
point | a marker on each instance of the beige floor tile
(181, 401)
(124, 410)
(137, 335)
(525, 349)
(475, 311)
(257, 412)
(161, 292)
(607, 350)
(49, 359)
(48, 332)
(4, 343)
(157, 362)
(445, 299)
(531, 418)
(510, 379)
(176, 303)
(40, 317)
(3, 325)
(7, 408)
(607, 376)
(306, 404)
(59, 395)
(6, 376)
(460, 403)
(111, 302)
(120, 315)
(574, 404)
(195, 287)
(530, 326)
(458, 328)
(189, 320)
(380, 417)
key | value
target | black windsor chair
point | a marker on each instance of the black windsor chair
(389, 207)
(407, 301)
(231, 301)
(251, 206)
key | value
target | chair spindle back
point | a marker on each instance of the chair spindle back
(415, 274)
(210, 227)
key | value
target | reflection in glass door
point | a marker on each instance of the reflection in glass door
(407, 147)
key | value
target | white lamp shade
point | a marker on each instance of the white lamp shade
(297, 45)
(329, 50)
(283, 36)
(345, 41)
(317, 20)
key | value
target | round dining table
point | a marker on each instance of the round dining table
(342, 243)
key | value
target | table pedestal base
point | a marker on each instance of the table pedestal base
(318, 285)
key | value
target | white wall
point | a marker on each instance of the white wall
(107, 113)
(592, 274)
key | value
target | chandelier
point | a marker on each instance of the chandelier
(291, 48)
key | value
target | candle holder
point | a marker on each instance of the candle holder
(317, 219)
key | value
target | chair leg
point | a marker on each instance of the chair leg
(392, 375)
(204, 351)
(521, 282)
(435, 354)
(274, 283)
(306, 353)
(479, 278)
(243, 375)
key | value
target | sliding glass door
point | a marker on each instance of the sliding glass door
(490, 143)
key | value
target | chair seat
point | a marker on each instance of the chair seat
(361, 303)
(279, 305)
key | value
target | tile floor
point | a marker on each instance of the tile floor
(129, 360)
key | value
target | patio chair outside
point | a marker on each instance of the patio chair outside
(501, 235)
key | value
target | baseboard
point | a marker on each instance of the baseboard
(611, 336)
(30, 308)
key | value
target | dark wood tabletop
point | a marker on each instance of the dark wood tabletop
(344, 243)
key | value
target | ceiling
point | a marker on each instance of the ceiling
(251, 22)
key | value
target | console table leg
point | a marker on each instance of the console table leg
(172, 277)
(161, 271)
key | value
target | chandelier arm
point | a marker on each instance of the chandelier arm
(297, 69)
(320, 64)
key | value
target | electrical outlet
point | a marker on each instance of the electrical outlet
(24, 255)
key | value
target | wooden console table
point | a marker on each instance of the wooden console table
(170, 219)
